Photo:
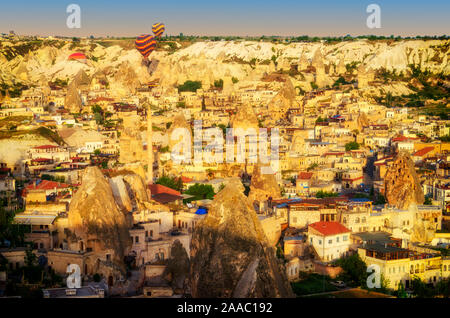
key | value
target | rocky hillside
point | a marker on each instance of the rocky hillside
(28, 63)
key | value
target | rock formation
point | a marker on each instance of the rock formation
(364, 76)
(284, 99)
(177, 270)
(263, 185)
(245, 118)
(362, 121)
(73, 101)
(401, 184)
(125, 80)
(95, 219)
(179, 121)
(230, 256)
(131, 143)
(303, 63)
(341, 69)
(423, 229)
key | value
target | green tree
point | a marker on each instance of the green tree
(401, 293)
(190, 86)
(325, 194)
(200, 192)
(171, 182)
(218, 83)
(353, 145)
(354, 270)
(420, 289)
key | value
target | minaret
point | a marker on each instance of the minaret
(149, 146)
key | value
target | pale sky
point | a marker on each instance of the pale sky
(231, 17)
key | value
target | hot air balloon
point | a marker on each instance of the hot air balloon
(78, 57)
(145, 44)
(158, 29)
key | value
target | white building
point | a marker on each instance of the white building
(330, 240)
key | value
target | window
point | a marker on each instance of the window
(136, 239)
(311, 240)
(337, 239)
(108, 257)
(320, 242)
(294, 219)
(151, 233)
(330, 241)
(146, 233)
(345, 238)
(363, 220)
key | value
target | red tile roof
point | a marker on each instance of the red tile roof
(423, 152)
(305, 175)
(158, 189)
(329, 228)
(46, 185)
(165, 198)
(403, 138)
(42, 159)
(186, 179)
(45, 147)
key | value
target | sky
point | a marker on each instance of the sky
(231, 17)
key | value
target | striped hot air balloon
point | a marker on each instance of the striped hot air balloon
(145, 44)
(158, 29)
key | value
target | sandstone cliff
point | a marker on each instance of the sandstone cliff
(401, 184)
(230, 256)
(73, 99)
(95, 219)
(263, 185)
(177, 270)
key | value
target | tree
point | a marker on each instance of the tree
(201, 192)
(354, 270)
(401, 293)
(353, 145)
(96, 109)
(190, 86)
(171, 182)
(97, 152)
(312, 167)
(428, 200)
(325, 194)
(420, 289)
(380, 200)
(218, 83)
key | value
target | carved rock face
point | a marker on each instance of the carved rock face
(230, 256)
(95, 218)
(263, 186)
(402, 186)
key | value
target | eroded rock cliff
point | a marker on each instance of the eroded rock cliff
(401, 184)
(95, 219)
(230, 256)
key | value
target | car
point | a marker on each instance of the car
(339, 284)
